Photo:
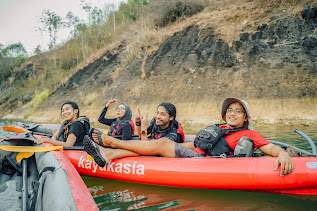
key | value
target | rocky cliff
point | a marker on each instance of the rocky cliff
(269, 62)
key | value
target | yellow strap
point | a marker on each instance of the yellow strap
(90, 158)
(22, 155)
(30, 148)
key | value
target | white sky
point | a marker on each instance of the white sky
(18, 19)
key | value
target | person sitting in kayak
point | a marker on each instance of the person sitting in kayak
(73, 129)
(122, 125)
(235, 113)
(164, 124)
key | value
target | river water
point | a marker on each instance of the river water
(115, 195)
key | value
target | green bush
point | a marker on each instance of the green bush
(39, 98)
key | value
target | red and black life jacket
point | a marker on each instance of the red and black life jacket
(117, 130)
(155, 134)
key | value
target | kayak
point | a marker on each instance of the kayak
(44, 181)
(232, 173)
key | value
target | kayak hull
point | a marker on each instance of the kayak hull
(250, 174)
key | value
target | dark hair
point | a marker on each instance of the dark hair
(171, 110)
(73, 104)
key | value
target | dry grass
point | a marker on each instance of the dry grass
(228, 17)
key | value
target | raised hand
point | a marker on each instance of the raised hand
(138, 118)
(111, 101)
(145, 122)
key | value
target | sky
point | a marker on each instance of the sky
(18, 19)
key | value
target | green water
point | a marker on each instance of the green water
(116, 195)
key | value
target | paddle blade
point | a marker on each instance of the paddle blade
(30, 148)
(22, 155)
(14, 129)
(90, 158)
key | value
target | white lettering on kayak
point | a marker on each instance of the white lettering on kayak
(110, 166)
(127, 168)
(81, 162)
(95, 166)
(115, 167)
(312, 165)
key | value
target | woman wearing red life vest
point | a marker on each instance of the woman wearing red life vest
(122, 125)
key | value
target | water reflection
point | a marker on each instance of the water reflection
(116, 195)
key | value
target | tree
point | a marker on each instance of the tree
(133, 8)
(11, 56)
(51, 23)
(72, 22)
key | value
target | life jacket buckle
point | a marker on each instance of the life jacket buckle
(223, 155)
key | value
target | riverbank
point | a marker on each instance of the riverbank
(263, 111)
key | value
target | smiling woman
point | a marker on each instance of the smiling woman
(72, 131)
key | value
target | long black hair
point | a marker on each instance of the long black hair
(73, 104)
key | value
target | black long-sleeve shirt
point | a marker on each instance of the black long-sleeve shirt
(126, 129)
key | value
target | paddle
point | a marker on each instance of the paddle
(14, 129)
(28, 151)
(38, 149)
(19, 130)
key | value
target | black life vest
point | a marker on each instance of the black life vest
(211, 140)
(63, 131)
(117, 130)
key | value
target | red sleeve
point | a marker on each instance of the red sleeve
(257, 138)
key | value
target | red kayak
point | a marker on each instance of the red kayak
(249, 174)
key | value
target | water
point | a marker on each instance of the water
(116, 195)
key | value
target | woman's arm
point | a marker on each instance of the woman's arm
(74, 131)
(71, 139)
(104, 120)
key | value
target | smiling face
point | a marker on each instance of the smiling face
(162, 118)
(120, 111)
(235, 115)
(69, 113)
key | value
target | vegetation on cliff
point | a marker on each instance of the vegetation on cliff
(205, 50)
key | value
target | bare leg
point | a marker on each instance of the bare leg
(109, 154)
(189, 145)
(163, 146)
